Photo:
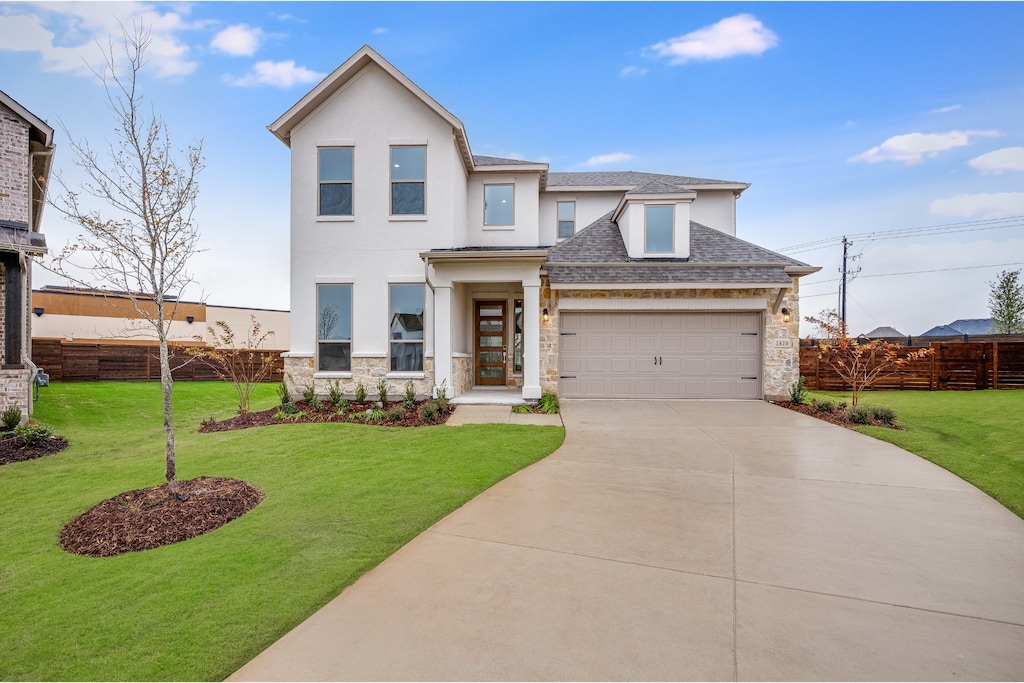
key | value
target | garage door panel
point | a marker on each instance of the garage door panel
(748, 344)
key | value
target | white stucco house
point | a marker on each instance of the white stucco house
(413, 258)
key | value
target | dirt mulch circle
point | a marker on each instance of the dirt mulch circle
(17, 448)
(836, 417)
(325, 413)
(150, 518)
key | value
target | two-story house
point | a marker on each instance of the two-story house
(26, 156)
(413, 258)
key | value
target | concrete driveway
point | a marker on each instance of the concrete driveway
(690, 540)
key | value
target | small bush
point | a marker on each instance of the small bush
(383, 389)
(334, 394)
(34, 434)
(208, 422)
(360, 393)
(522, 409)
(549, 404)
(11, 418)
(442, 393)
(860, 415)
(286, 416)
(309, 392)
(396, 414)
(410, 395)
(824, 405)
(374, 416)
(290, 408)
(430, 410)
(798, 392)
(342, 407)
(883, 414)
(283, 394)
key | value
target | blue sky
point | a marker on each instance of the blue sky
(846, 118)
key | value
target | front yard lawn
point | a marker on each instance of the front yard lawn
(340, 498)
(976, 435)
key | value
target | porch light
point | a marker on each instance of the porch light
(786, 315)
(544, 316)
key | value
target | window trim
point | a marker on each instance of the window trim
(351, 183)
(351, 322)
(392, 181)
(422, 342)
(672, 230)
(500, 225)
(558, 220)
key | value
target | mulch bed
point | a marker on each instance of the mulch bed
(17, 448)
(325, 413)
(836, 417)
(150, 518)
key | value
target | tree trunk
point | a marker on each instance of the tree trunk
(166, 384)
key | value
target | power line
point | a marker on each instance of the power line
(912, 272)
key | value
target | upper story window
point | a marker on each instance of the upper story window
(499, 205)
(334, 327)
(566, 219)
(658, 229)
(335, 174)
(408, 181)
(406, 327)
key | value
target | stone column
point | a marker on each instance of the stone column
(443, 338)
(531, 340)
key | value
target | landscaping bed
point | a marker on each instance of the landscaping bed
(15, 448)
(840, 415)
(391, 414)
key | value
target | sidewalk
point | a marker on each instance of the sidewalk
(491, 414)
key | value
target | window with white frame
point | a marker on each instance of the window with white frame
(334, 328)
(566, 219)
(499, 204)
(335, 174)
(658, 229)
(408, 181)
(405, 331)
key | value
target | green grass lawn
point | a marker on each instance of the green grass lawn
(340, 498)
(976, 435)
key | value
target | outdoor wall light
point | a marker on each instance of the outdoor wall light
(544, 316)
(38, 310)
(786, 315)
(190, 319)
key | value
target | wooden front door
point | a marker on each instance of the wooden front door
(490, 350)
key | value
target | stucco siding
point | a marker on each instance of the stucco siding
(715, 209)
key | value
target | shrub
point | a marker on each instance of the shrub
(410, 395)
(283, 394)
(342, 407)
(549, 404)
(824, 405)
(285, 415)
(360, 393)
(334, 394)
(290, 408)
(309, 393)
(34, 433)
(208, 422)
(522, 409)
(383, 389)
(396, 414)
(374, 416)
(239, 361)
(860, 415)
(883, 414)
(442, 393)
(798, 392)
(11, 418)
(430, 410)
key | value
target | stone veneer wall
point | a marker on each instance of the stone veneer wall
(780, 365)
(462, 375)
(298, 374)
(14, 174)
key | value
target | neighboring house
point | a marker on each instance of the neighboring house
(883, 332)
(961, 327)
(26, 156)
(414, 259)
(99, 316)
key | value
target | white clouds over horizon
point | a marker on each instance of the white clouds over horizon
(606, 159)
(1000, 160)
(283, 74)
(742, 34)
(982, 205)
(913, 148)
(238, 40)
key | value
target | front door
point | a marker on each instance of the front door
(490, 335)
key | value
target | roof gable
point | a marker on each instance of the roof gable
(42, 132)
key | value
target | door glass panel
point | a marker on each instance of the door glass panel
(491, 356)
(490, 372)
(491, 325)
(490, 341)
(491, 312)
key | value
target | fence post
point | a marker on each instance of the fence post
(931, 378)
(995, 365)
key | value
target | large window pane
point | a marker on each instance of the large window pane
(335, 199)
(658, 224)
(406, 356)
(408, 163)
(406, 327)
(334, 312)
(407, 199)
(499, 205)
(336, 164)
(335, 356)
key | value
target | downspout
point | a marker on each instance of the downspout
(34, 221)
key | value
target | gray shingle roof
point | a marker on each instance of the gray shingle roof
(884, 331)
(597, 254)
(630, 179)
(973, 325)
(941, 331)
(480, 160)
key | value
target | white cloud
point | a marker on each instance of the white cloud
(65, 34)
(945, 110)
(634, 71)
(278, 74)
(984, 205)
(1006, 159)
(742, 34)
(912, 148)
(239, 40)
(379, 31)
(606, 159)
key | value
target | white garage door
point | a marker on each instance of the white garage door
(660, 355)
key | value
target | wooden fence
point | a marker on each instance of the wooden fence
(78, 362)
(952, 365)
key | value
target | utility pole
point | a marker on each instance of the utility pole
(842, 281)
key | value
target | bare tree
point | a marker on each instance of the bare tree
(141, 242)
(243, 362)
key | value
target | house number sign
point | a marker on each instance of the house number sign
(783, 343)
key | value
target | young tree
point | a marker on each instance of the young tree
(244, 366)
(143, 239)
(858, 362)
(1006, 303)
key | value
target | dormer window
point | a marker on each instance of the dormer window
(408, 181)
(658, 229)
(499, 205)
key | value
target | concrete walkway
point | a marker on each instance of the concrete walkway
(493, 414)
(690, 540)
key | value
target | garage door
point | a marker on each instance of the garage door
(660, 355)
